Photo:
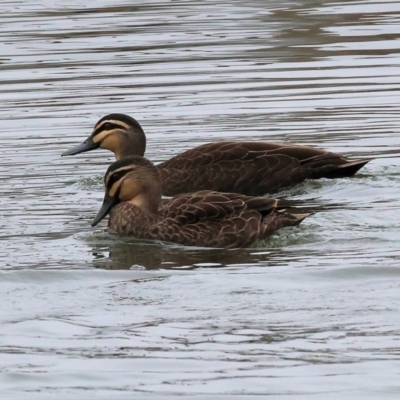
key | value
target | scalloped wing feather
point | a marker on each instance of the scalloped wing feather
(204, 219)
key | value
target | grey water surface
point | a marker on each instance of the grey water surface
(312, 313)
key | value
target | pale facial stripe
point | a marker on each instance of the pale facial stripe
(102, 134)
(114, 188)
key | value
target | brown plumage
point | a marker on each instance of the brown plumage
(250, 168)
(205, 218)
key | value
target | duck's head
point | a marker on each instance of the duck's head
(133, 179)
(118, 133)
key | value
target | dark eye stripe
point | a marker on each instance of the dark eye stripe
(117, 175)
(106, 127)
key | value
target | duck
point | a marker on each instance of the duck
(249, 168)
(133, 188)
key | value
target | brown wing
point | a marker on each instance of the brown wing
(212, 219)
(250, 168)
(211, 205)
(206, 219)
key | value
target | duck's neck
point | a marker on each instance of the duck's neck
(133, 143)
(148, 202)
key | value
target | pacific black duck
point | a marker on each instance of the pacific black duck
(205, 218)
(250, 168)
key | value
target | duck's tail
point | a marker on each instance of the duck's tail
(297, 218)
(346, 169)
(279, 220)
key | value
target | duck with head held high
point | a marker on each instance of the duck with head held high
(250, 168)
(205, 218)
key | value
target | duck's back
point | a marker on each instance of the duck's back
(250, 168)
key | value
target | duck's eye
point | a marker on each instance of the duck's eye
(107, 126)
(117, 176)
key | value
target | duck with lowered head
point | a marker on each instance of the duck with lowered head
(206, 218)
(250, 168)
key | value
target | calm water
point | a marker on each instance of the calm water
(85, 314)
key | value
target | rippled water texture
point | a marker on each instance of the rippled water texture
(85, 314)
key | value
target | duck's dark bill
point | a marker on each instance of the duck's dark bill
(108, 203)
(87, 145)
